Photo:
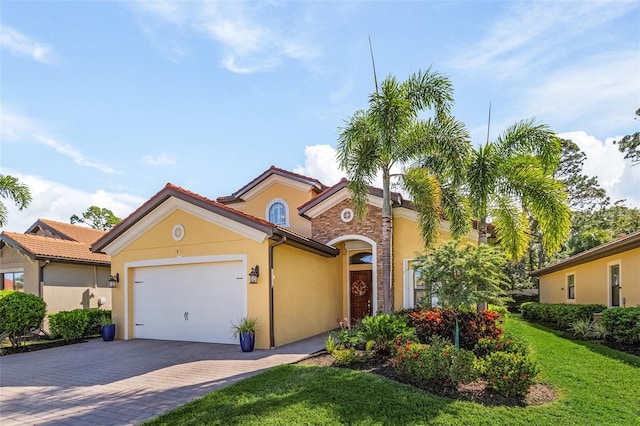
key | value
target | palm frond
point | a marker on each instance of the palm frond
(424, 189)
(455, 207)
(511, 225)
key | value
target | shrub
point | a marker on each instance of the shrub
(383, 330)
(518, 300)
(435, 363)
(558, 315)
(510, 374)
(581, 328)
(473, 326)
(19, 314)
(486, 346)
(623, 325)
(69, 325)
(346, 357)
(95, 319)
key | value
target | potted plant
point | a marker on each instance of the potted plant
(245, 328)
(107, 326)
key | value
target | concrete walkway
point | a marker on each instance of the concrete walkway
(125, 382)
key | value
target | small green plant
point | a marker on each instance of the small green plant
(382, 330)
(510, 374)
(598, 331)
(244, 325)
(330, 344)
(346, 357)
(581, 328)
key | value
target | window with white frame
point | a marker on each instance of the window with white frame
(423, 292)
(571, 286)
(278, 212)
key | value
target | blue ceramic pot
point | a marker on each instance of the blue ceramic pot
(108, 332)
(247, 341)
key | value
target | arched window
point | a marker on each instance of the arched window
(278, 212)
(363, 258)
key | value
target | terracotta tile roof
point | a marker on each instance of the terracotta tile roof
(627, 242)
(236, 196)
(82, 234)
(40, 247)
(171, 190)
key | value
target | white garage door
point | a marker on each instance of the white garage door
(196, 302)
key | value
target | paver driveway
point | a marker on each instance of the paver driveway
(125, 382)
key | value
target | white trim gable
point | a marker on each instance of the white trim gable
(336, 199)
(272, 180)
(170, 206)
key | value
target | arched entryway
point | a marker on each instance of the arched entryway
(361, 275)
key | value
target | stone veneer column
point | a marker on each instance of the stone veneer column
(329, 226)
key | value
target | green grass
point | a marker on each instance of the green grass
(597, 386)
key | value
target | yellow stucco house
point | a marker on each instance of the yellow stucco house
(185, 263)
(608, 274)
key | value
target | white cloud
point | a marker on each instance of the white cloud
(249, 43)
(607, 163)
(161, 160)
(17, 128)
(20, 44)
(56, 201)
(321, 163)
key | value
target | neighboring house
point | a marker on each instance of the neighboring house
(608, 274)
(54, 261)
(184, 261)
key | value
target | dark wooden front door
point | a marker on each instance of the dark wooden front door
(360, 291)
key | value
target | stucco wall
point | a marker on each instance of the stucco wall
(294, 198)
(308, 296)
(201, 238)
(11, 260)
(592, 281)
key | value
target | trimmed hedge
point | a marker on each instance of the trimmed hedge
(69, 325)
(623, 325)
(19, 314)
(78, 323)
(558, 315)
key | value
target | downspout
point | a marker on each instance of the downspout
(41, 290)
(272, 339)
(41, 279)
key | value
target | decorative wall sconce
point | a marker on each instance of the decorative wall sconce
(114, 279)
(254, 274)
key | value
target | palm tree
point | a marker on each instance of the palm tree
(512, 180)
(392, 132)
(11, 188)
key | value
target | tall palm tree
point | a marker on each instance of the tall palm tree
(11, 188)
(512, 180)
(392, 132)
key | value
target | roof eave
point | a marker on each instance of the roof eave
(590, 256)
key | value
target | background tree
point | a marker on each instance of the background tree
(392, 131)
(630, 144)
(12, 189)
(512, 180)
(97, 218)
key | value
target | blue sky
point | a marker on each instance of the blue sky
(103, 103)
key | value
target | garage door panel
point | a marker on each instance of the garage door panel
(189, 302)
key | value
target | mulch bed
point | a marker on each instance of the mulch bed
(44, 344)
(477, 391)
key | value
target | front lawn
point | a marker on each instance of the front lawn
(597, 385)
